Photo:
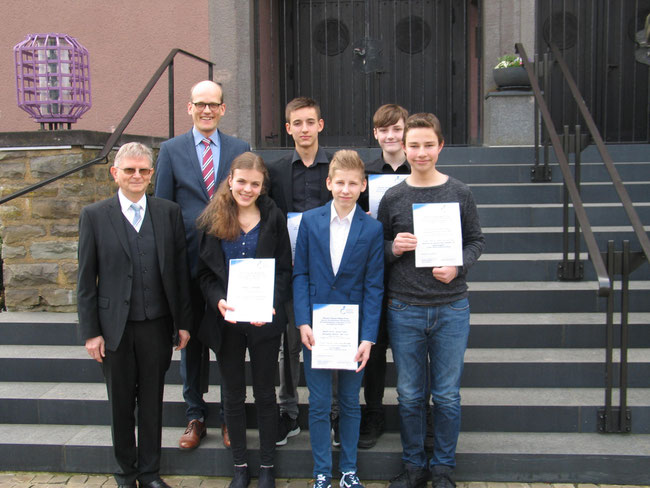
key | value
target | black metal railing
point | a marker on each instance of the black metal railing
(167, 64)
(607, 265)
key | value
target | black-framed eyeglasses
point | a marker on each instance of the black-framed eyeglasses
(201, 105)
(131, 171)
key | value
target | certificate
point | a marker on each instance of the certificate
(440, 240)
(336, 333)
(377, 186)
(293, 224)
(251, 283)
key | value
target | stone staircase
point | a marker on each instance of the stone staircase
(534, 375)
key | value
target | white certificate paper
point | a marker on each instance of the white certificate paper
(293, 224)
(250, 290)
(377, 186)
(440, 239)
(336, 332)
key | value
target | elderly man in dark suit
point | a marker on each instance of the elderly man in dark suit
(134, 304)
(188, 172)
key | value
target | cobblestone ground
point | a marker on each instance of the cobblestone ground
(75, 480)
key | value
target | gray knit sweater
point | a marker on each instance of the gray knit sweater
(417, 286)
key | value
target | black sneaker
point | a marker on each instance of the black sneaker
(287, 427)
(241, 477)
(441, 477)
(372, 427)
(411, 477)
(336, 437)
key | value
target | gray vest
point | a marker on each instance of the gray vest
(148, 300)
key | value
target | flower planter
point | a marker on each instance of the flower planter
(514, 77)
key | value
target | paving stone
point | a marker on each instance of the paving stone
(79, 479)
(98, 480)
(298, 483)
(587, 485)
(518, 485)
(476, 484)
(216, 482)
(191, 481)
(42, 478)
(563, 485)
(497, 485)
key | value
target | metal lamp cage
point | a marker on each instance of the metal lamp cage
(52, 79)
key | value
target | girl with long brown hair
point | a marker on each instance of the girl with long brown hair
(242, 222)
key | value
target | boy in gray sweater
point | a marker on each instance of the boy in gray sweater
(428, 309)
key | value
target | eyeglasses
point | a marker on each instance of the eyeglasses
(131, 171)
(201, 105)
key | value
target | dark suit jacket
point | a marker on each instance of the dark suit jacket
(273, 242)
(281, 189)
(105, 268)
(360, 278)
(179, 178)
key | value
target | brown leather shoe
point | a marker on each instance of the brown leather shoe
(191, 438)
(225, 435)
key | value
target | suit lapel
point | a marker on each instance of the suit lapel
(116, 219)
(324, 237)
(353, 236)
(224, 155)
(195, 164)
(158, 224)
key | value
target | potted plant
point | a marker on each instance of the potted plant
(509, 73)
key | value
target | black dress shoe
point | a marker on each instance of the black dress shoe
(241, 477)
(155, 484)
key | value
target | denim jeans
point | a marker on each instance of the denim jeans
(440, 333)
(319, 382)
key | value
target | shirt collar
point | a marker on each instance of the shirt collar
(198, 137)
(335, 216)
(321, 157)
(125, 203)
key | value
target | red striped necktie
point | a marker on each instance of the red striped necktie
(207, 168)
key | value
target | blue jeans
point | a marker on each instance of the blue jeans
(440, 333)
(319, 382)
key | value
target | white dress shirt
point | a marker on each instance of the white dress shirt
(339, 230)
(128, 212)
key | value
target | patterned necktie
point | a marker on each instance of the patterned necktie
(137, 215)
(207, 168)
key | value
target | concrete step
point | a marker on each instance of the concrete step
(503, 367)
(490, 330)
(517, 193)
(524, 266)
(549, 214)
(484, 409)
(584, 458)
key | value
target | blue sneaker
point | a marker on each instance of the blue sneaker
(350, 480)
(322, 481)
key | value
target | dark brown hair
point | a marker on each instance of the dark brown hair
(298, 103)
(389, 114)
(220, 216)
(424, 120)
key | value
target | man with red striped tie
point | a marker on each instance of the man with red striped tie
(189, 169)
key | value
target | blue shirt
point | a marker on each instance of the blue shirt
(243, 247)
(215, 145)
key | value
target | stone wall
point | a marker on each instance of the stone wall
(40, 229)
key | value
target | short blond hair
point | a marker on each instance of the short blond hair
(346, 160)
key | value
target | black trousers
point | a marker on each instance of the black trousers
(263, 353)
(135, 376)
(374, 379)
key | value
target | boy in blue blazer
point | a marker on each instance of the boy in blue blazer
(339, 260)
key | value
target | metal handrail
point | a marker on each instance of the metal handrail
(119, 130)
(604, 282)
(604, 153)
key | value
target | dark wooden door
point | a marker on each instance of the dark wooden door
(353, 56)
(596, 39)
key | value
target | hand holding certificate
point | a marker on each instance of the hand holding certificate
(439, 237)
(251, 285)
(336, 336)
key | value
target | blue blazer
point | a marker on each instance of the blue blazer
(179, 178)
(360, 278)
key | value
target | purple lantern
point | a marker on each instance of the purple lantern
(52, 79)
